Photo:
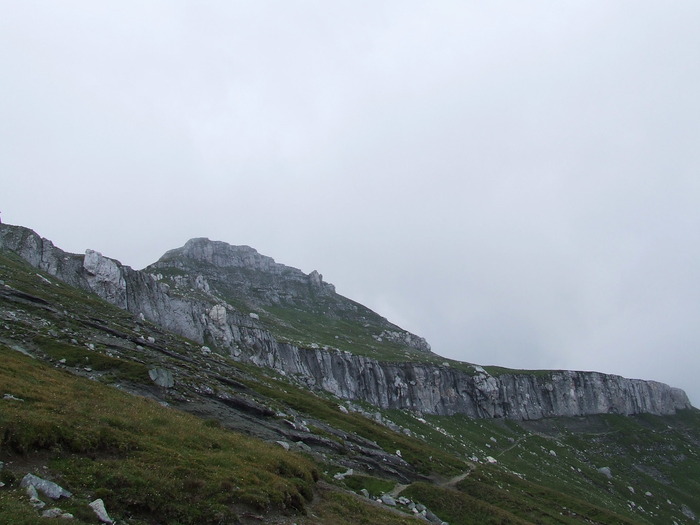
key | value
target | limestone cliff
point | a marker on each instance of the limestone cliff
(206, 290)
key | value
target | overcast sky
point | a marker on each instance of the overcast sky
(516, 181)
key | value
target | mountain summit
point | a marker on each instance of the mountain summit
(297, 307)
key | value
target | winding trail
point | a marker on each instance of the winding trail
(398, 488)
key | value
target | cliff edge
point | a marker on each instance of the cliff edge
(253, 309)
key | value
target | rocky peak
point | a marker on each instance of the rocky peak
(242, 266)
(222, 255)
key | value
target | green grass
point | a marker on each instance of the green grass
(375, 486)
(337, 508)
(422, 455)
(459, 508)
(143, 459)
(79, 356)
(533, 502)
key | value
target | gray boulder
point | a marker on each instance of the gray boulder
(605, 471)
(388, 500)
(161, 377)
(49, 488)
(98, 506)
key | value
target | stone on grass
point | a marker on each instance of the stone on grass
(54, 512)
(51, 489)
(98, 506)
(605, 471)
(341, 475)
(388, 500)
(10, 397)
(34, 500)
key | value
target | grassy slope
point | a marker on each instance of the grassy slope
(142, 458)
(101, 442)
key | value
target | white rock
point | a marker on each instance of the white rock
(218, 314)
(54, 512)
(491, 459)
(34, 497)
(10, 397)
(253, 315)
(342, 475)
(51, 489)
(104, 277)
(605, 471)
(98, 506)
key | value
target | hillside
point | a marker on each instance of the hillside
(100, 399)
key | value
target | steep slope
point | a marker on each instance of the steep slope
(297, 308)
(98, 442)
(251, 308)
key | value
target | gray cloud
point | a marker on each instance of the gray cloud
(516, 182)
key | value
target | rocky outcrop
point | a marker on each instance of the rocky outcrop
(428, 388)
(446, 390)
(104, 278)
(225, 256)
(242, 275)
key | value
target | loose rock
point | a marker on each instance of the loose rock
(388, 500)
(51, 489)
(605, 471)
(161, 377)
(98, 506)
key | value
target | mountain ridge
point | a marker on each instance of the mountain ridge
(235, 302)
(89, 388)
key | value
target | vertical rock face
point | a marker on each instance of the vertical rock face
(104, 277)
(428, 388)
(442, 390)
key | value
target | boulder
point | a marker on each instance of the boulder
(161, 377)
(605, 471)
(98, 506)
(49, 488)
(388, 500)
(55, 512)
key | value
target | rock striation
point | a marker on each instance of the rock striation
(208, 271)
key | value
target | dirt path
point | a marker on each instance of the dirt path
(398, 489)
